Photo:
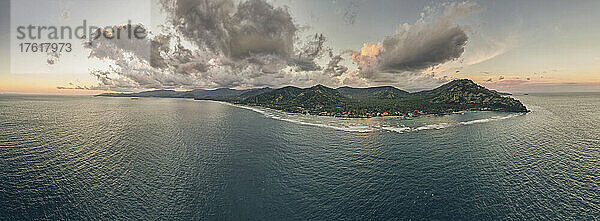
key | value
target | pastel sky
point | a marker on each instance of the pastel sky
(515, 46)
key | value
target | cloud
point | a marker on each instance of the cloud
(504, 84)
(334, 68)
(313, 48)
(431, 41)
(428, 42)
(258, 27)
(482, 48)
(239, 31)
(52, 57)
(409, 81)
(367, 60)
(488, 48)
(113, 42)
(529, 86)
(223, 43)
(211, 44)
(72, 88)
(351, 12)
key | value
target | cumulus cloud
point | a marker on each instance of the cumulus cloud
(416, 47)
(258, 27)
(367, 60)
(222, 43)
(313, 48)
(433, 40)
(427, 43)
(113, 42)
(210, 44)
(233, 30)
(334, 68)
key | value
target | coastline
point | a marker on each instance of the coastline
(453, 97)
(253, 107)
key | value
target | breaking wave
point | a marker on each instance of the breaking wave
(490, 119)
(438, 126)
(397, 129)
(360, 129)
(362, 125)
(433, 126)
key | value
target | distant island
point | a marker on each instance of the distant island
(455, 96)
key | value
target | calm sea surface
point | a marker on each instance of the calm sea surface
(84, 157)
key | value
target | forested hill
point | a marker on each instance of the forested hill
(458, 95)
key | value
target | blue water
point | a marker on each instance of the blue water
(81, 157)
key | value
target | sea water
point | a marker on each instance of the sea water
(83, 157)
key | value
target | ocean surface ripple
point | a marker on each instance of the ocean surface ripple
(81, 157)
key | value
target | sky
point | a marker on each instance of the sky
(514, 46)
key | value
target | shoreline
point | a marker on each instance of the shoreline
(371, 117)
(323, 115)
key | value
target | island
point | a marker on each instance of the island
(455, 96)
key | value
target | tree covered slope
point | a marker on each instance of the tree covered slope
(458, 95)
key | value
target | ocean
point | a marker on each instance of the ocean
(84, 157)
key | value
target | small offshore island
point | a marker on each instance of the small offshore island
(455, 96)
